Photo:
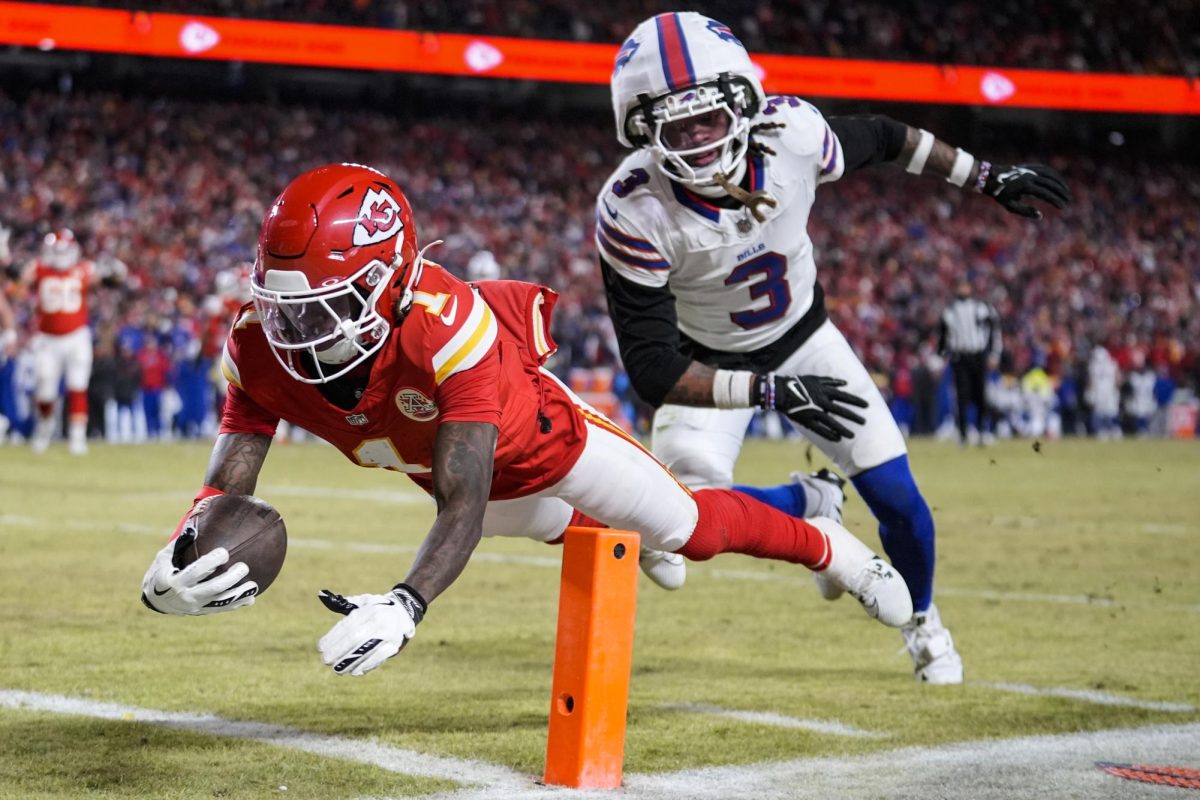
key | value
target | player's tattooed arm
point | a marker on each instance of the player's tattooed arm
(236, 460)
(463, 459)
(694, 387)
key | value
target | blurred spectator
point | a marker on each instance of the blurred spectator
(175, 190)
(156, 368)
(130, 421)
(1104, 393)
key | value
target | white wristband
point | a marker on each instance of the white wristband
(916, 164)
(963, 162)
(731, 388)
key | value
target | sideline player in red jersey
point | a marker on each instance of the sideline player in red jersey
(59, 280)
(353, 336)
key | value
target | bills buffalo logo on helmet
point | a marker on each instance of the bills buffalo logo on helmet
(723, 32)
(625, 53)
(415, 405)
(378, 218)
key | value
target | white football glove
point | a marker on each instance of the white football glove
(376, 627)
(168, 589)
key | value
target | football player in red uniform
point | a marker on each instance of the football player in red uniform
(59, 280)
(354, 336)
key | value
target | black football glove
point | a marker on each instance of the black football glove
(811, 401)
(1011, 184)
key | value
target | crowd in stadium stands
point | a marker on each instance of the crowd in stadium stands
(176, 189)
(1091, 35)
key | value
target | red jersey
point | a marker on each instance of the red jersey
(62, 297)
(464, 353)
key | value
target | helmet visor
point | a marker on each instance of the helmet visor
(299, 321)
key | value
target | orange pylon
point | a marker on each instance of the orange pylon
(597, 604)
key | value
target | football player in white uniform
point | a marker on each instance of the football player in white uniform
(711, 283)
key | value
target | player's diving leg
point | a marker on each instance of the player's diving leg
(619, 483)
(700, 446)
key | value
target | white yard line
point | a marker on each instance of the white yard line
(1008, 769)
(362, 751)
(1088, 696)
(774, 720)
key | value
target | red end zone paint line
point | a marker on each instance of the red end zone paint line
(1179, 777)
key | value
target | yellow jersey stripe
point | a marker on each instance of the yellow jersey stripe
(229, 369)
(540, 345)
(472, 351)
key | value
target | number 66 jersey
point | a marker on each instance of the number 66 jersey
(739, 284)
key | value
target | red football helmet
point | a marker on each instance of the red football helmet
(60, 250)
(337, 250)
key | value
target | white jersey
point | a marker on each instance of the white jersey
(739, 284)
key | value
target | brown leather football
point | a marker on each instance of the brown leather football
(249, 528)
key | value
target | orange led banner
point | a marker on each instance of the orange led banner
(56, 27)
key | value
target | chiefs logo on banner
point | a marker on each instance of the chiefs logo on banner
(415, 405)
(378, 218)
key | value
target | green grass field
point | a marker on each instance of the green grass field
(1072, 568)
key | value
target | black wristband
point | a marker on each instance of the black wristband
(412, 600)
(762, 392)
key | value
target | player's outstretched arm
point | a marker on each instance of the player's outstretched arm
(872, 139)
(377, 626)
(170, 588)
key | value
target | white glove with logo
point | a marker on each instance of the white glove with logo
(168, 589)
(376, 627)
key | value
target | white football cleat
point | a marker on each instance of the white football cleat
(668, 570)
(43, 432)
(824, 491)
(928, 642)
(828, 487)
(870, 580)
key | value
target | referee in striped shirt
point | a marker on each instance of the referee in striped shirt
(970, 338)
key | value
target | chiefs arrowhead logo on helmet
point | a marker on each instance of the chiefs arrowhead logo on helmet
(378, 218)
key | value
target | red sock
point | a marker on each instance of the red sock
(578, 520)
(77, 404)
(732, 522)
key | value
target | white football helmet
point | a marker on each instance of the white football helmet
(680, 65)
(60, 250)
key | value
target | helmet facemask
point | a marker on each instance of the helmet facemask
(657, 123)
(338, 326)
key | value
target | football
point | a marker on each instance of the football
(249, 528)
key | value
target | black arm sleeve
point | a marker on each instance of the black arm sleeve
(645, 322)
(868, 139)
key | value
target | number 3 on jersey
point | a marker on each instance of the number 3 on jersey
(767, 277)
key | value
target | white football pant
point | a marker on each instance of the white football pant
(700, 445)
